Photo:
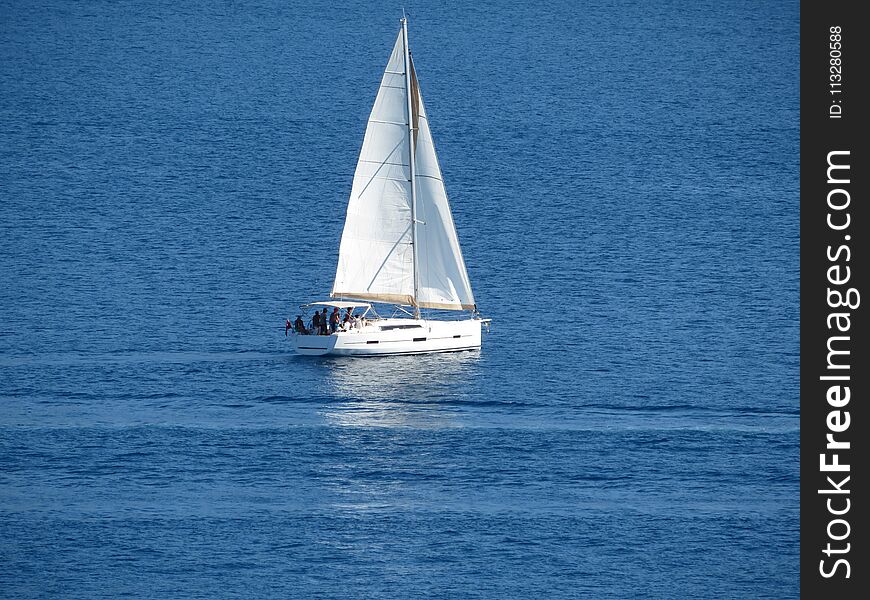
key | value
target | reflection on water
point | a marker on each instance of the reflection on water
(395, 391)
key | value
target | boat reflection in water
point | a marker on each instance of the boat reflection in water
(401, 391)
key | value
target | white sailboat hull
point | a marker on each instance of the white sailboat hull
(384, 337)
(399, 245)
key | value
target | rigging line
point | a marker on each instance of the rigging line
(380, 178)
(425, 280)
(410, 91)
(386, 258)
(378, 170)
(378, 162)
(450, 224)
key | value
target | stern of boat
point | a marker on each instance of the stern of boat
(313, 345)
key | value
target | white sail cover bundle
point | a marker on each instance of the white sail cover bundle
(376, 259)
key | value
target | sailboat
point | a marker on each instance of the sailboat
(399, 245)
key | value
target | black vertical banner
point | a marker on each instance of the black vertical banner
(835, 368)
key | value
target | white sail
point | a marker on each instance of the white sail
(376, 257)
(442, 278)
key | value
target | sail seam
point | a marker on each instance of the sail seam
(375, 162)
(386, 258)
(382, 178)
(375, 174)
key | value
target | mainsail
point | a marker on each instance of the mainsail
(376, 259)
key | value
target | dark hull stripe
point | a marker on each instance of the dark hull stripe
(373, 354)
(431, 339)
(406, 353)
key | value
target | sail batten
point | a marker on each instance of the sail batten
(399, 242)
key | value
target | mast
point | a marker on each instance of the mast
(411, 163)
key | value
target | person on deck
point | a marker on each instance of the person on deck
(299, 325)
(286, 327)
(315, 322)
(334, 320)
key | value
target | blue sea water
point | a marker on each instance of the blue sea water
(624, 180)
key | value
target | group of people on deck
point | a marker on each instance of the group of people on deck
(323, 322)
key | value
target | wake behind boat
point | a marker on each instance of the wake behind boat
(399, 245)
